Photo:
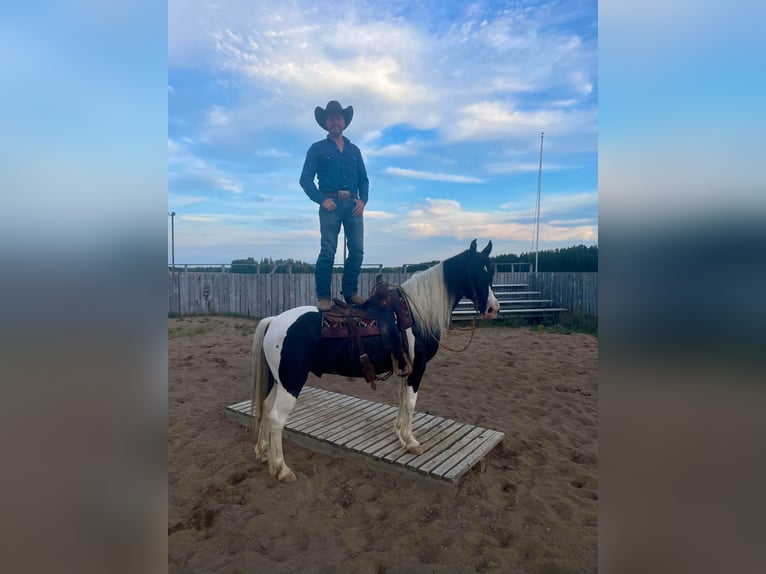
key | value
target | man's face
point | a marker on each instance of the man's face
(335, 124)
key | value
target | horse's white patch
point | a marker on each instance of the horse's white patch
(276, 417)
(493, 306)
(411, 343)
(407, 399)
(283, 404)
(275, 336)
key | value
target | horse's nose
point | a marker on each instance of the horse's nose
(493, 307)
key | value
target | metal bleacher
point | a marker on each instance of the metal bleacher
(515, 300)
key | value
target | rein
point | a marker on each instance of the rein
(473, 330)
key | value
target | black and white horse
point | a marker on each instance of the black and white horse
(287, 347)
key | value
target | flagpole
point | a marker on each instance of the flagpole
(539, 186)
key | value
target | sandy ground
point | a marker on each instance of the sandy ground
(533, 510)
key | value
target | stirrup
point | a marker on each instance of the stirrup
(397, 368)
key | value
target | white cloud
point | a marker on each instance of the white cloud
(447, 218)
(371, 214)
(556, 204)
(175, 201)
(197, 218)
(493, 120)
(187, 171)
(371, 136)
(358, 57)
(433, 176)
(523, 167)
(217, 116)
(271, 152)
(408, 148)
(571, 222)
(393, 70)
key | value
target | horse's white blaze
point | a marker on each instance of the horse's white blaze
(493, 306)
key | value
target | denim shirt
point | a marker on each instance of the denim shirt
(334, 170)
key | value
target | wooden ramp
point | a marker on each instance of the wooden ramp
(336, 424)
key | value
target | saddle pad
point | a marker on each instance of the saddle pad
(336, 327)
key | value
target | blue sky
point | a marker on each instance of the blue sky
(449, 102)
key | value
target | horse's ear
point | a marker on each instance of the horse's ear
(487, 249)
(473, 246)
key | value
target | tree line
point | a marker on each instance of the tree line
(578, 259)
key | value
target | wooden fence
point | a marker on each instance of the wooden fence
(250, 295)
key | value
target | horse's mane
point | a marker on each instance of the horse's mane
(431, 301)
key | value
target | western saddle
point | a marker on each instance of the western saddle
(386, 315)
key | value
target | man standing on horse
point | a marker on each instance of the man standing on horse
(341, 195)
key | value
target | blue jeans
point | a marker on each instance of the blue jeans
(329, 227)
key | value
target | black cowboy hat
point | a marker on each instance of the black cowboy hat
(333, 107)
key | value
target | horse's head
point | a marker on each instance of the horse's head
(478, 270)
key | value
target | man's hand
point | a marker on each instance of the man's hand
(329, 204)
(358, 208)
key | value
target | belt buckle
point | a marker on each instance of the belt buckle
(344, 194)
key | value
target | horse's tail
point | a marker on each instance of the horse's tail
(260, 373)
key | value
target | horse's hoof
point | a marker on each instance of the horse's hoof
(288, 476)
(415, 449)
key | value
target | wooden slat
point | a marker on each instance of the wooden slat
(341, 425)
(312, 417)
(373, 433)
(439, 443)
(379, 451)
(360, 424)
(475, 456)
(456, 447)
(311, 410)
(303, 411)
(426, 441)
(337, 416)
(364, 430)
(237, 406)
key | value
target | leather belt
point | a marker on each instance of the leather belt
(342, 194)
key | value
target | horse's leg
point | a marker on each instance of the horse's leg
(262, 444)
(288, 347)
(408, 396)
(407, 399)
(274, 416)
